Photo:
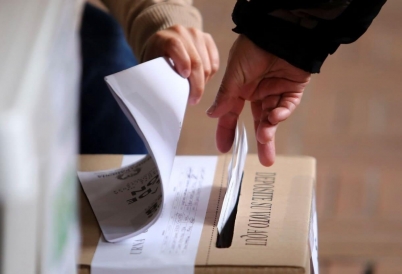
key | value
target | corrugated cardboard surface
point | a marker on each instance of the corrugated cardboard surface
(90, 231)
(283, 246)
(350, 120)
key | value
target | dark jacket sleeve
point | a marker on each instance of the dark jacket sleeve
(304, 32)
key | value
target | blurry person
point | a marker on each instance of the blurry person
(150, 29)
(281, 43)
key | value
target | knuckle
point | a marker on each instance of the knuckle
(214, 68)
(208, 37)
(207, 71)
(173, 43)
(158, 36)
(178, 28)
(196, 63)
(193, 31)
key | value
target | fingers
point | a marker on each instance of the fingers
(176, 50)
(273, 86)
(266, 150)
(167, 43)
(275, 100)
(201, 49)
(227, 106)
(205, 59)
(232, 86)
(213, 54)
(207, 51)
(277, 86)
(225, 132)
(229, 102)
(226, 128)
(289, 92)
(241, 78)
(268, 112)
(228, 94)
(193, 65)
(197, 76)
(193, 52)
(264, 129)
(285, 108)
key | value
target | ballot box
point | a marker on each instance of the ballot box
(274, 228)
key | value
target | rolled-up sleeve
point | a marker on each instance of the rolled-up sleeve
(142, 18)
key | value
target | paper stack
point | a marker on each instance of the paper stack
(127, 201)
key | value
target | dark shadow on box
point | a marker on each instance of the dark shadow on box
(214, 193)
(225, 238)
(89, 222)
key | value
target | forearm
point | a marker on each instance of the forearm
(142, 18)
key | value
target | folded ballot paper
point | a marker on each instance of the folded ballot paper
(127, 201)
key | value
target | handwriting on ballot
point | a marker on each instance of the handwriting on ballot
(173, 240)
(125, 199)
(176, 235)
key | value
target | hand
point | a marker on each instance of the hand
(193, 52)
(273, 86)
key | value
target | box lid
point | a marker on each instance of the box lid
(272, 223)
(273, 217)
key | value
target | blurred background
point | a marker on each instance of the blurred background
(350, 120)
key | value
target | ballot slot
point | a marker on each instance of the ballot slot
(228, 212)
(225, 237)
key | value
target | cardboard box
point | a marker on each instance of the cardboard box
(273, 227)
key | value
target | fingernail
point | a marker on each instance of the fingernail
(193, 101)
(186, 73)
(211, 109)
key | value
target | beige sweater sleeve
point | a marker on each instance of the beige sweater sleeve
(142, 18)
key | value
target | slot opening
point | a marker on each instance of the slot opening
(225, 238)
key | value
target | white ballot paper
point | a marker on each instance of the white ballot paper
(171, 244)
(170, 191)
(128, 200)
(235, 174)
